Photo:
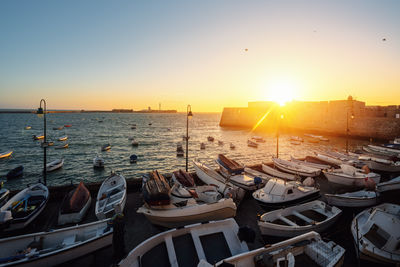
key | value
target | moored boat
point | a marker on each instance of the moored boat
(279, 193)
(295, 168)
(356, 199)
(267, 168)
(133, 158)
(106, 147)
(63, 138)
(179, 150)
(350, 176)
(256, 173)
(202, 146)
(232, 146)
(258, 139)
(300, 219)
(62, 146)
(15, 173)
(183, 178)
(98, 162)
(54, 165)
(376, 233)
(134, 143)
(155, 189)
(75, 205)
(28, 127)
(210, 138)
(252, 144)
(229, 166)
(189, 246)
(296, 139)
(112, 193)
(38, 137)
(67, 125)
(393, 184)
(4, 194)
(55, 246)
(311, 164)
(6, 154)
(184, 209)
(304, 250)
(24, 207)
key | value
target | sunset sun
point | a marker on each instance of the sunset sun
(281, 91)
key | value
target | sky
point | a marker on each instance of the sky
(209, 54)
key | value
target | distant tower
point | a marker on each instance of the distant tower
(159, 106)
(149, 108)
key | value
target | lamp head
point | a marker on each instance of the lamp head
(190, 114)
(40, 112)
(352, 116)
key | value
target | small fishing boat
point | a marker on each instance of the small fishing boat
(379, 164)
(184, 209)
(133, 158)
(202, 146)
(135, 143)
(393, 184)
(98, 162)
(255, 173)
(329, 159)
(54, 165)
(150, 124)
(68, 125)
(300, 219)
(252, 144)
(106, 147)
(210, 138)
(304, 250)
(74, 205)
(4, 194)
(296, 139)
(15, 173)
(62, 146)
(258, 139)
(63, 138)
(6, 154)
(351, 176)
(279, 193)
(179, 150)
(191, 245)
(220, 143)
(28, 127)
(183, 178)
(356, 199)
(232, 146)
(229, 167)
(376, 233)
(38, 137)
(112, 193)
(24, 207)
(55, 246)
(310, 164)
(295, 168)
(211, 177)
(58, 128)
(133, 127)
(155, 189)
(267, 168)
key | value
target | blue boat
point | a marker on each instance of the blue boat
(133, 158)
(15, 173)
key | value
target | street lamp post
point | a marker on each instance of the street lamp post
(189, 115)
(350, 100)
(277, 135)
(40, 112)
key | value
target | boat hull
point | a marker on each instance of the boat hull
(282, 204)
(389, 186)
(74, 217)
(351, 202)
(349, 181)
(373, 165)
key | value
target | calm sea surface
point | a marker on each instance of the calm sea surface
(156, 150)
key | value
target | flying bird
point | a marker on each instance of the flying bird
(384, 39)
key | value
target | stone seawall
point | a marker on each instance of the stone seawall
(328, 122)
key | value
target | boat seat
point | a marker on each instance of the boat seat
(69, 240)
(286, 220)
(112, 188)
(304, 218)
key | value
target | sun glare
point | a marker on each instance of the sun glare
(281, 91)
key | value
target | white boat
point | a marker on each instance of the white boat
(275, 173)
(300, 219)
(329, 159)
(295, 168)
(55, 246)
(279, 193)
(106, 147)
(356, 199)
(6, 154)
(393, 184)
(98, 162)
(63, 138)
(28, 127)
(24, 207)
(38, 137)
(296, 138)
(211, 177)
(385, 149)
(112, 192)
(232, 146)
(187, 246)
(252, 144)
(74, 205)
(376, 233)
(351, 176)
(304, 250)
(184, 209)
(54, 165)
(310, 164)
